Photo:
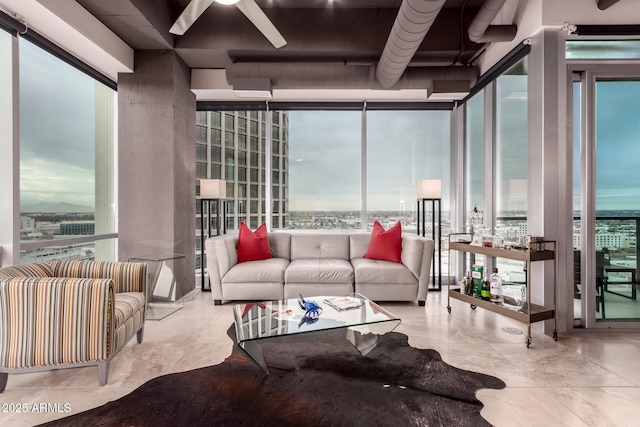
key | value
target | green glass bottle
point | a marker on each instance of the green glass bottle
(485, 291)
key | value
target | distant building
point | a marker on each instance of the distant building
(77, 228)
(231, 145)
(27, 223)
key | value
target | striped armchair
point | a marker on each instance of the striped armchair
(68, 314)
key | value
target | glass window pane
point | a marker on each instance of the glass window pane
(324, 184)
(216, 136)
(475, 155)
(216, 118)
(617, 195)
(603, 49)
(67, 132)
(201, 152)
(201, 117)
(201, 134)
(420, 150)
(511, 163)
(201, 170)
(228, 122)
(216, 154)
(511, 152)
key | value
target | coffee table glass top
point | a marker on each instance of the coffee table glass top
(366, 324)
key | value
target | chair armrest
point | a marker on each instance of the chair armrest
(126, 276)
(222, 254)
(53, 321)
(417, 255)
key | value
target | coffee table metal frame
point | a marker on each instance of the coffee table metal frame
(366, 326)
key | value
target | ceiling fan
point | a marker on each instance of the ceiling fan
(248, 7)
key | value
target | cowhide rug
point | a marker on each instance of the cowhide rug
(316, 379)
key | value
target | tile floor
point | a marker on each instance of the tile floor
(580, 380)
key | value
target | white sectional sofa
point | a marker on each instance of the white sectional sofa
(316, 263)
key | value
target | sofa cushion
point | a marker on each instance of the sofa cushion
(264, 271)
(320, 246)
(359, 243)
(280, 244)
(319, 271)
(253, 246)
(382, 272)
(27, 270)
(127, 304)
(385, 245)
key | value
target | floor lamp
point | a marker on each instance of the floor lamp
(430, 190)
(211, 190)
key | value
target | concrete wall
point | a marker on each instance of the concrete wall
(156, 162)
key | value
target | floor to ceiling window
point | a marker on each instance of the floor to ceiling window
(511, 163)
(316, 166)
(511, 151)
(474, 156)
(496, 163)
(605, 95)
(67, 151)
(324, 170)
(617, 193)
(404, 147)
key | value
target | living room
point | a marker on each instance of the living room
(507, 145)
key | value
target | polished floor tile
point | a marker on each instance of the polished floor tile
(580, 380)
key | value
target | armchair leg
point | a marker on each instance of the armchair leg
(421, 303)
(140, 335)
(217, 302)
(103, 372)
(3, 381)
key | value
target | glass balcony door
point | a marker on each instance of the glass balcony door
(606, 197)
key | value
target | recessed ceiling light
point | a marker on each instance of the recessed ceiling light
(227, 2)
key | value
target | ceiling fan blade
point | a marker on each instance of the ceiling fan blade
(189, 15)
(252, 11)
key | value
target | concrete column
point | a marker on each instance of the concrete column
(550, 201)
(156, 162)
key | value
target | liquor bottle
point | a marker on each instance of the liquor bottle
(485, 290)
(469, 290)
(476, 274)
(495, 281)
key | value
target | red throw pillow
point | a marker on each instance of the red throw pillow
(385, 245)
(253, 246)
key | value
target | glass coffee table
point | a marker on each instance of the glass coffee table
(366, 325)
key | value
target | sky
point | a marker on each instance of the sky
(325, 157)
(617, 145)
(58, 145)
(57, 137)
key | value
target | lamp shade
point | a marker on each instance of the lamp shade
(430, 189)
(213, 189)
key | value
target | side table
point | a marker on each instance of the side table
(163, 294)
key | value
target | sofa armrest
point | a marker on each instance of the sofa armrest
(54, 321)
(126, 276)
(222, 254)
(417, 255)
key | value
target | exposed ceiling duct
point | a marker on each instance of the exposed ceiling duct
(339, 76)
(409, 30)
(605, 4)
(481, 30)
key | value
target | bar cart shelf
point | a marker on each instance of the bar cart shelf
(529, 313)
